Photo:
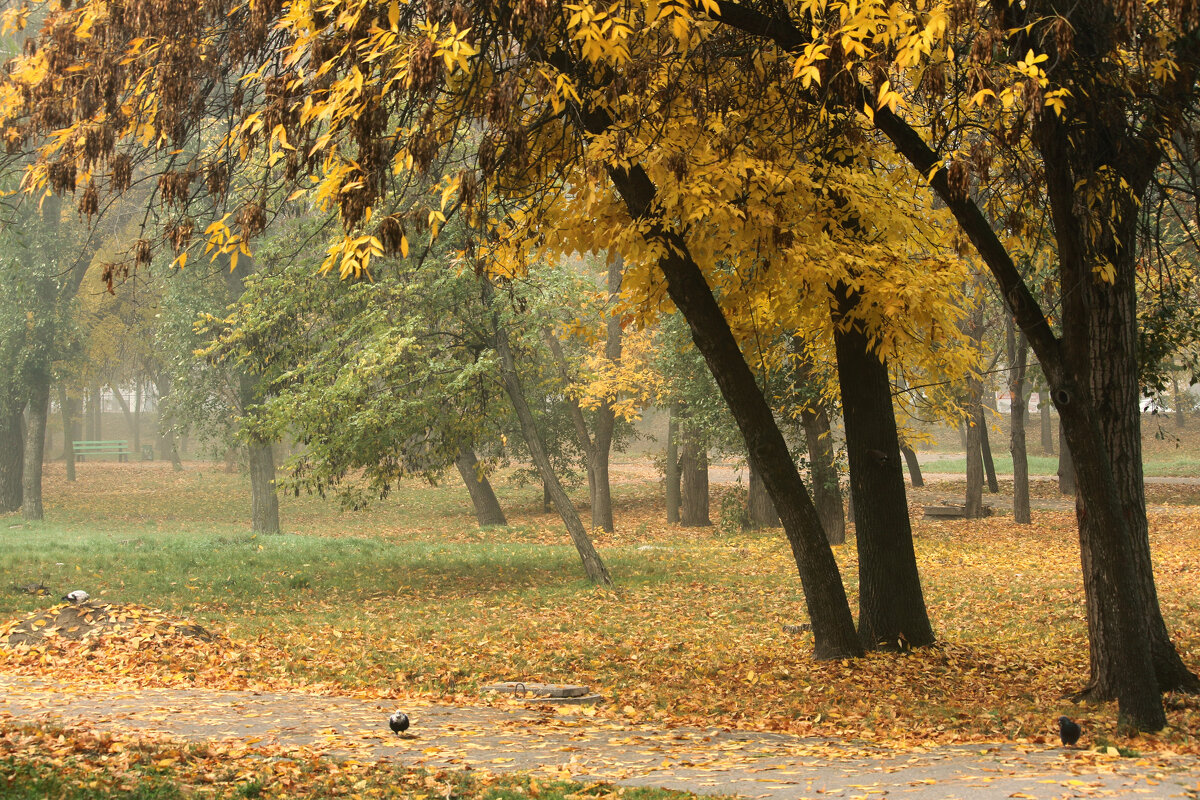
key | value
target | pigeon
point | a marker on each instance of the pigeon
(398, 722)
(1068, 730)
(78, 596)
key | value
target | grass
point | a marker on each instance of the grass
(1178, 467)
(411, 598)
(68, 765)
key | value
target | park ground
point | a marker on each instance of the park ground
(410, 602)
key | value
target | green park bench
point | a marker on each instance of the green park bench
(108, 447)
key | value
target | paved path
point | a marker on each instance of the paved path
(714, 761)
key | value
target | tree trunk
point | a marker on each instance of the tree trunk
(12, 458)
(168, 444)
(137, 419)
(547, 498)
(593, 565)
(892, 613)
(69, 407)
(974, 500)
(130, 421)
(1018, 355)
(1180, 402)
(760, 511)
(671, 470)
(693, 466)
(914, 466)
(1044, 420)
(606, 417)
(827, 492)
(833, 625)
(985, 447)
(487, 507)
(35, 441)
(264, 500)
(1066, 466)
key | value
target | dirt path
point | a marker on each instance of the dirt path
(564, 744)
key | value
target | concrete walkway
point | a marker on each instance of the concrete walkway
(561, 744)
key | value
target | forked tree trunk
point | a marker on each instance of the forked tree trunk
(760, 511)
(1018, 355)
(35, 442)
(483, 499)
(693, 467)
(593, 565)
(671, 469)
(264, 499)
(12, 458)
(827, 491)
(892, 613)
(914, 466)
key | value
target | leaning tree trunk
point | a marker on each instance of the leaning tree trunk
(974, 500)
(985, 448)
(892, 613)
(760, 511)
(827, 492)
(671, 474)
(693, 460)
(834, 635)
(487, 507)
(593, 565)
(264, 499)
(1018, 354)
(914, 466)
(35, 444)
(12, 458)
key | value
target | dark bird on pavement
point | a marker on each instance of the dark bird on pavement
(78, 596)
(1068, 730)
(398, 722)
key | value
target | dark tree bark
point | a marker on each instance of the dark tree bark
(264, 499)
(671, 470)
(693, 467)
(833, 626)
(12, 458)
(760, 511)
(892, 613)
(547, 498)
(69, 406)
(974, 499)
(1066, 467)
(1018, 354)
(827, 491)
(593, 565)
(914, 466)
(483, 499)
(35, 442)
(1118, 133)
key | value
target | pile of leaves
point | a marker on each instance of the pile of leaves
(128, 642)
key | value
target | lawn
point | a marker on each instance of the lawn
(412, 599)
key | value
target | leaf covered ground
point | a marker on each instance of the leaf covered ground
(412, 600)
